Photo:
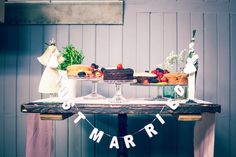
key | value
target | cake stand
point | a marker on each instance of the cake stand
(94, 94)
(118, 97)
(160, 90)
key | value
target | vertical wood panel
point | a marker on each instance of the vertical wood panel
(156, 57)
(10, 136)
(115, 57)
(50, 31)
(102, 58)
(185, 130)
(10, 71)
(184, 30)
(35, 67)
(169, 33)
(197, 23)
(222, 148)
(102, 53)
(62, 126)
(223, 63)
(89, 45)
(232, 85)
(142, 64)
(211, 59)
(170, 45)
(3, 31)
(23, 85)
(75, 131)
(143, 51)
(129, 58)
(129, 46)
(156, 44)
(2, 136)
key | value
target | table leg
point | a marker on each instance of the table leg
(204, 136)
(122, 130)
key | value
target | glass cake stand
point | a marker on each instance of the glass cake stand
(94, 94)
(164, 91)
(118, 97)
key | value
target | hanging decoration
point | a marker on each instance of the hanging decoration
(96, 135)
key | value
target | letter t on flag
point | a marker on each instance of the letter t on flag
(81, 116)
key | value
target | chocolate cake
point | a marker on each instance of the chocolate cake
(118, 74)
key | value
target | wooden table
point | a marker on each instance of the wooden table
(52, 110)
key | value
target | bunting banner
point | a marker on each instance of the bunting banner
(96, 135)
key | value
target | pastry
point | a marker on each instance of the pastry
(177, 78)
(74, 70)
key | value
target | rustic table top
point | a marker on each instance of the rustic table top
(132, 106)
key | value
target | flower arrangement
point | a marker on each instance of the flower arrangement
(174, 59)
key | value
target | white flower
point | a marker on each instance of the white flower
(173, 58)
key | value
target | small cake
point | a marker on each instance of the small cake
(118, 74)
(73, 70)
(142, 76)
(177, 78)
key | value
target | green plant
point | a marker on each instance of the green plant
(71, 56)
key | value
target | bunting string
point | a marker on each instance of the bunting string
(134, 133)
(96, 134)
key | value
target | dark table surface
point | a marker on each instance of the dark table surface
(131, 107)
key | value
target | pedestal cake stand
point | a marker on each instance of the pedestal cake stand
(118, 97)
(94, 94)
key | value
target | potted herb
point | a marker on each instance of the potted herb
(71, 56)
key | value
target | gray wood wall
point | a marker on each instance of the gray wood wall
(151, 30)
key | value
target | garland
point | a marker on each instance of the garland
(96, 135)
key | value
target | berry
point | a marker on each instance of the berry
(87, 76)
(103, 69)
(98, 74)
(166, 71)
(160, 75)
(92, 68)
(81, 74)
(95, 66)
(158, 79)
(145, 82)
(154, 72)
(91, 75)
(164, 79)
(160, 70)
(119, 66)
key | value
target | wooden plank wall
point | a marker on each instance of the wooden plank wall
(151, 30)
